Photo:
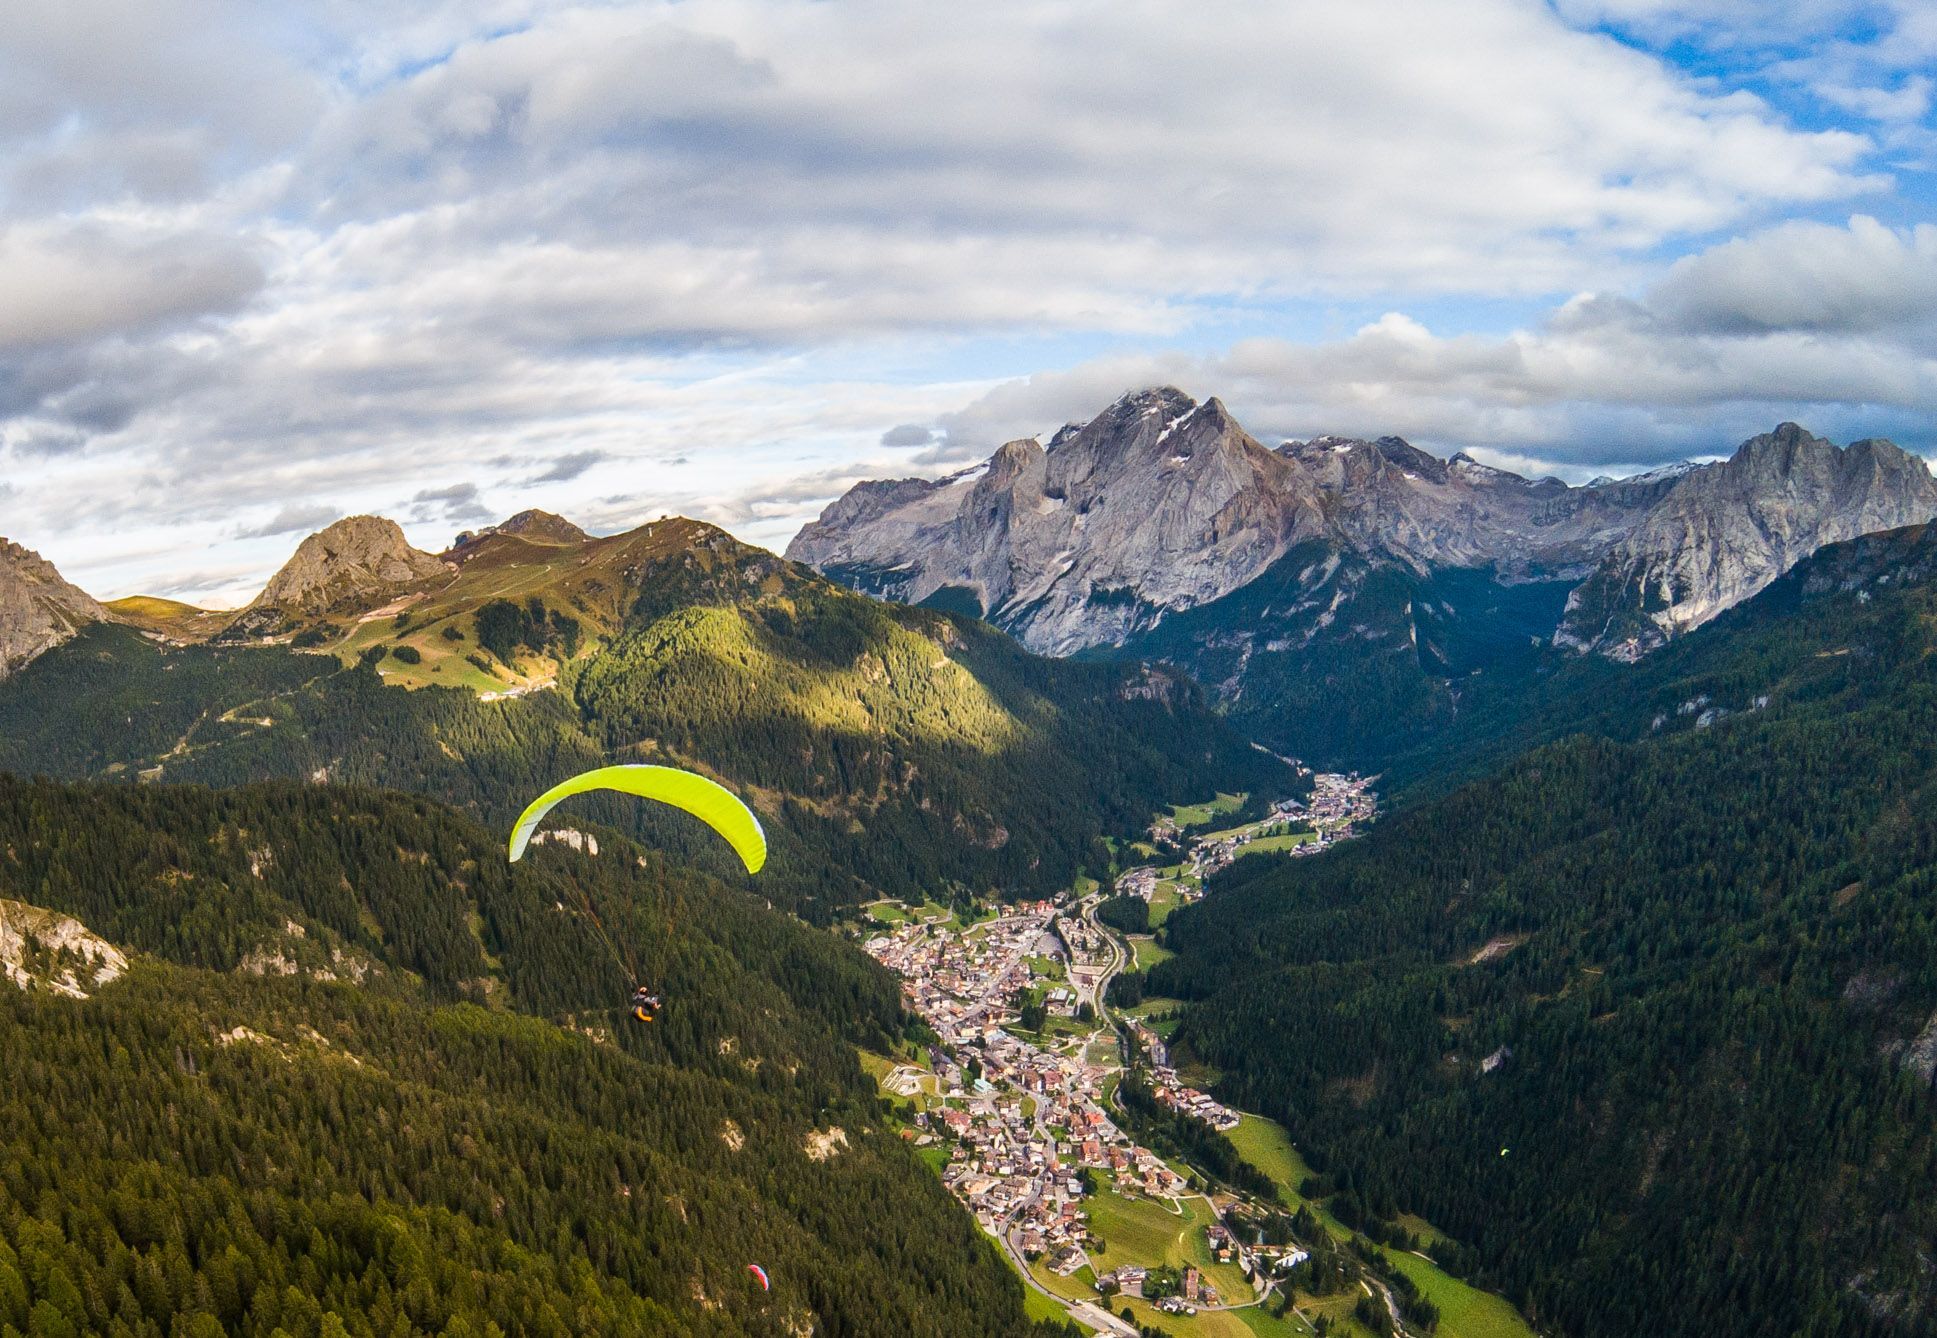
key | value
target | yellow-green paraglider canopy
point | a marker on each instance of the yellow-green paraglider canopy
(710, 802)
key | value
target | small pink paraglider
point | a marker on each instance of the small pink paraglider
(760, 1275)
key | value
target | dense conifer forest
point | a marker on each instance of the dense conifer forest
(1645, 1019)
(362, 1077)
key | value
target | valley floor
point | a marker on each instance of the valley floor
(1027, 1129)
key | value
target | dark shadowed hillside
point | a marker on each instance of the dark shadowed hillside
(1650, 1019)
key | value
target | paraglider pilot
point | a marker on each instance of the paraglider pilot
(646, 1004)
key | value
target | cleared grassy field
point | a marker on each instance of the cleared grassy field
(1141, 1231)
(1152, 1003)
(1078, 1286)
(1265, 1144)
(1148, 952)
(1204, 1324)
(1288, 841)
(1040, 1309)
(1047, 968)
(1259, 1321)
(894, 914)
(1199, 815)
(1162, 902)
(1465, 1312)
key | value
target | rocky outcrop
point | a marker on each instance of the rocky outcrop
(43, 949)
(358, 562)
(534, 526)
(1725, 531)
(38, 609)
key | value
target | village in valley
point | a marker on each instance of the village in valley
(1026, 1097)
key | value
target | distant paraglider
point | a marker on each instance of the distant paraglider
(760, 1276)
(646, 1005)
(709, 801)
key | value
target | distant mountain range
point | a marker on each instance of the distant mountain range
(1339, 593)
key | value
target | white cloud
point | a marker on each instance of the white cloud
(1808, 276)
(1835, 326)
(297, 518)
(262, 253)
(67, 285)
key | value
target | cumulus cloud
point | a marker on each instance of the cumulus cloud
(1834, 326)
(454, 502)
(254, 253)
(301, 518)
(567, 467)
(1808, 276)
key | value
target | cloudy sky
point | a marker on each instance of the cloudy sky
(262, 265)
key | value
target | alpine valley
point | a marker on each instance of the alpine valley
(1621, 1017)
(293, 1052)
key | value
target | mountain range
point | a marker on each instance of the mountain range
(1341, 595)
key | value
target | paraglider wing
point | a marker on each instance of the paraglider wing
(710, 802)
(760, 1274)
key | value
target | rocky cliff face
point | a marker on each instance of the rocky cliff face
(1389, 497)
(38, 609)
(43, 949)
(1162, 504)
(1159, 503)
(360, 560)
(1725, 531)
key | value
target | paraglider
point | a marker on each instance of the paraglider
(760, 1276)
(709, 801)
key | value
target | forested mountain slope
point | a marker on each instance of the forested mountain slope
(1650, 1021)
(1828, 630)
(363, 1077)
(888, 749)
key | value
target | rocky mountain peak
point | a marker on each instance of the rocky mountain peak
(1722, 532)
(38, 608)
(533, 525)
(1149, 402)
(1011, 459)
(543, 527)
(359, 558)
(1409, 457)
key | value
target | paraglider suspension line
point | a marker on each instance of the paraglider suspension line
(626, 964)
